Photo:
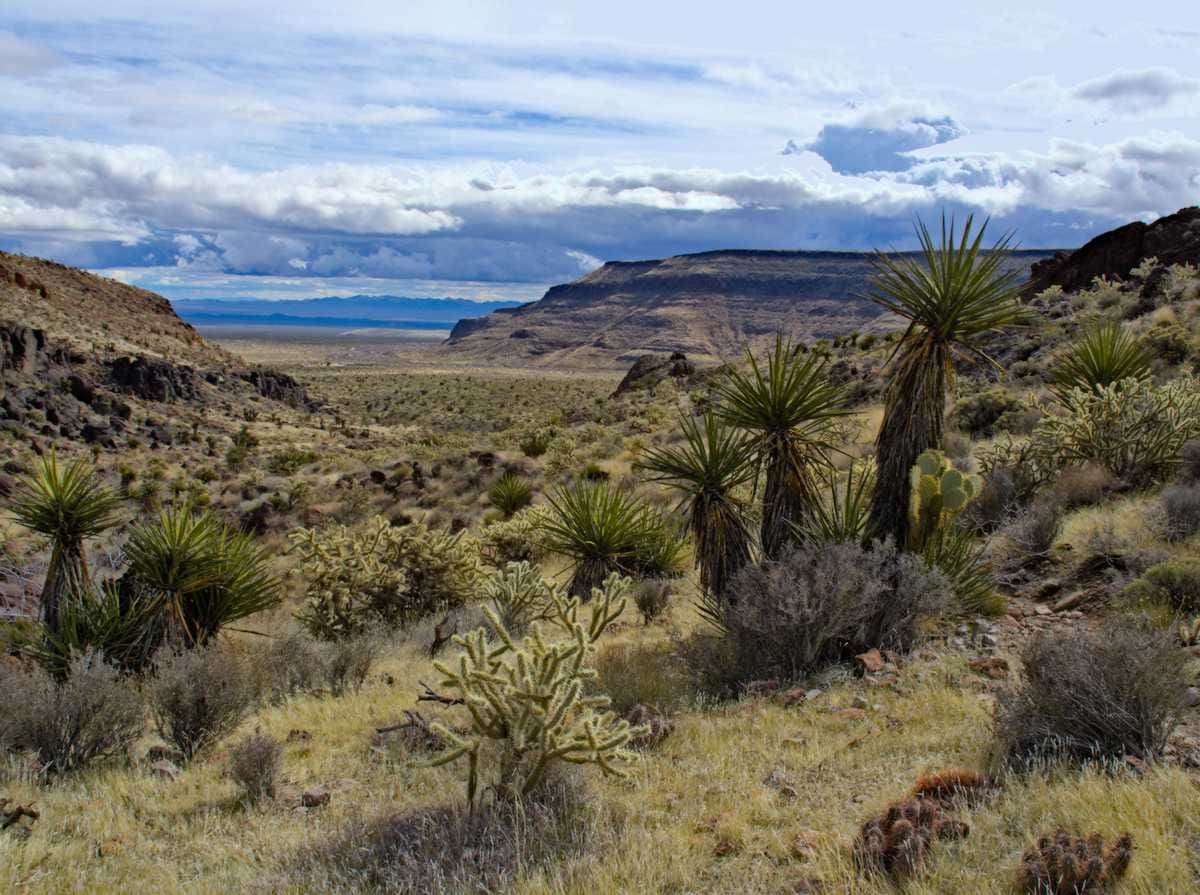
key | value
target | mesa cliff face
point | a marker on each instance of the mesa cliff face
(708, 305)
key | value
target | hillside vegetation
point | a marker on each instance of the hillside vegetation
(901, 608)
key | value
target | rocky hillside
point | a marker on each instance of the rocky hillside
(708, 305)
(79, 354)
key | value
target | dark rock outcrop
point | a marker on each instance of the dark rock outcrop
(279, 387)
(154, 380)
(651, 369)
(1174, 239)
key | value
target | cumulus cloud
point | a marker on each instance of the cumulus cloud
(880, 140)
(1137, 91)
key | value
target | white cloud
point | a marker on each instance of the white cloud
(1137, 91)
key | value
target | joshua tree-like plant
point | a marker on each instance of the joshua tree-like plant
(604, 530)
(788, 407)
(1103, 356)
(66, 505)
(952, 293)
(842, 517)
(510, 493)
(708, 467)
(203, 573)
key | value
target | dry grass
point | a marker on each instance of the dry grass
(700, 799)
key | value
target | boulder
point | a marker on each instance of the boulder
(154, 380)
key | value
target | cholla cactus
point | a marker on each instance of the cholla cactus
(359, 578)
(516, 539)
(939, 492)
(520, 595)
(527, 699)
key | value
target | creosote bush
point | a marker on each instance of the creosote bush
(200, 695)
(1175, 583)
(1180, 505)
(821, 603)
(377, 574)
(92, 715)
(254, 765)
(1096, 694)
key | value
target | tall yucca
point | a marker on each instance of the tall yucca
(708, 467)
(203, 573)
(1103, 356)
(788, 409)
(951, 293)
(66, 505)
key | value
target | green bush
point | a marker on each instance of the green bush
(979, 414)
(290, 460)
(357, 579)
(535, 444)
(1175, 583)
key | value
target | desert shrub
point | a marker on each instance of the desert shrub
(1169, 343)
(822, 603)
(1020, 467)
(1135, 429)
(357, 579)
(1189, 461)
(604, 530)
(1175, 583)
(516, 539)
(243, 444)
(641, 674)
(978, 414)
(199, 695)
(534, 444)
(996, 503)
(346, 663)
(451, 849)
(291, 664)
(254, 765)
(1084, 485)
(1180, 507)
(1094, 694)
(1033, 533)
(652, 597)
(1066, 864)
(92, 715)
(290, 460)
(510, 493)
(525, 702)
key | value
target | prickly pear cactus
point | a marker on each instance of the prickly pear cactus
(939, 492)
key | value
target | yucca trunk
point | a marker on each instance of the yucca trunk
(722, 546)
(787, 494)
(66, 576)
(590, 573)
(914, 421)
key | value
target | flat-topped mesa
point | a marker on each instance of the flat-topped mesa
(708, 305)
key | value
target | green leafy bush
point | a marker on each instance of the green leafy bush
(357, 579)
(91, 715)
(125, 631)
(535, 444)
(290, 460)
(1174, 582)
(526, 699)
(979, 414)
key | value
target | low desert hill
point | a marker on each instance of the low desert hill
(708, 305)
(79, 354)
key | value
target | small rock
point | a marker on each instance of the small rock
(810, 695)
(1191, 697)
(297, 735)
(871, 661)
(853, 714)
(804, 846)
(993, 666)
(164, 753)
(1070, 601)
(165, 770)
(761, 688)
(658, 727)
(315, 797)
(794, 696)
(780, 781)
(859, 702)
(1043, 610)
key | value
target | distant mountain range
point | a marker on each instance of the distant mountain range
(354, 311)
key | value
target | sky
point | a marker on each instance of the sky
(487, 149)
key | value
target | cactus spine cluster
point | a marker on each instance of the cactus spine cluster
(1065, 864)
(525, 699)
(939, 492)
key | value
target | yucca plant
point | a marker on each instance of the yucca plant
(708, 467)
(510, 493)
(789, 409)
(604, 530)
(66, 505)
(1103, 356)
(841, 518)
(102, 622)
(952, 293)
(203, 573)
